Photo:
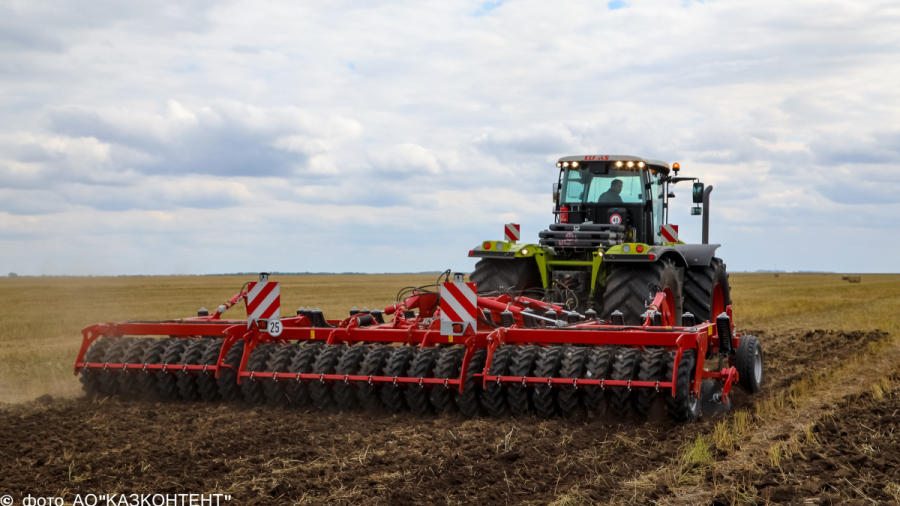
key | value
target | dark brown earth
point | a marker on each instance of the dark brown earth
(854, 459)
(275, 456)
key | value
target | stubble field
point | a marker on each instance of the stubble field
(821, 430)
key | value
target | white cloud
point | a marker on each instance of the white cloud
(184, 130)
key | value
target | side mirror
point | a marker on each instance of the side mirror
(555, 193)
(698, 193)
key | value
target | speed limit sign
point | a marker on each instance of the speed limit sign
(275, 328)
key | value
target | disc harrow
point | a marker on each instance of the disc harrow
(518, 356)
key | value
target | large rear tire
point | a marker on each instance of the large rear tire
(630, 288)
(514, 275)
(706, 290)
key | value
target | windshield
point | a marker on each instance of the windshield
(614, 187)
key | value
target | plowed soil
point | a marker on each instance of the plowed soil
(276, 456)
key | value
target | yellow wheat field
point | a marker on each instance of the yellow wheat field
(41, 318)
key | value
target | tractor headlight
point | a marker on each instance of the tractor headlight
(566, 164)
(630, 164)
(559, 164)
(574, 165)
(619, 164)
(525, 251)
(641, 164)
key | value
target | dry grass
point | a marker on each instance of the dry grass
(41, 318)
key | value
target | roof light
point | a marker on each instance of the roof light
(641, 164)
(559, 164)
(630, 164)
(565, 164)
(574, 165)
(619, 163)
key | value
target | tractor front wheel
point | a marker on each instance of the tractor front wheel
(514, 275)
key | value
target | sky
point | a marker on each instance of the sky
(198, 137)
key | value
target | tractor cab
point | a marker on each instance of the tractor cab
(602, 201)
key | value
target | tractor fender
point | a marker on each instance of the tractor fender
(697, 255)
(684, 255)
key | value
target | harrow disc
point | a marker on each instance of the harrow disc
(115, 354)
(326, 362)
(422, 367)
(599, 366)
(574, 364)
(547, 366)
(229, 389)
(398, 364)
(129, 381)
(626, 367)
(468, 401)
(206, 382)
(167, 382)
(302, 363)
(449, 365)
(253, 389)
(349, 363)
(187, 381)
(518, 396)
(279, 361)
(369, 395)
(684, 407)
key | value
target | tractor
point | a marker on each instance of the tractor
(611, 247)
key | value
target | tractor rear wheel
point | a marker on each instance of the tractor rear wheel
(514, 275)
(630, 288)
(706, 291)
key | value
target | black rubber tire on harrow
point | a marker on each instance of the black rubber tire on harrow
(90, 380)
(229, 389)
(599, 366)
(653, 368)
(698, 289)
(254, 389)
(302, 363)
(207, 389)
(547, 366)
(326, 362)
(129, 381)
(518, 395)
(684, 407)
(146, 380)
(514, 275)
(279, 361)
(626, 367)
(349, 364)
(493, 398)
(449, 366)
(749, 378)
(167, 382)
(187, 381)
(574, 365)
(398, 365)
(421, 367)
(469, 401)
(631, 287)
(369, 396)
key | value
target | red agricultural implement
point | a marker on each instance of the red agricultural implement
(441, 348)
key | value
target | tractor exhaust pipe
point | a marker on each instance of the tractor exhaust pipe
(706, 192)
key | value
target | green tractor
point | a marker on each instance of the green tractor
(611, 247)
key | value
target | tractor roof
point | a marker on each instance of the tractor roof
(655, 164)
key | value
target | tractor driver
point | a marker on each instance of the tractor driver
(611, 196)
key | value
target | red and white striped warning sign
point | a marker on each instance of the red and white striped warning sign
(458, 306)
(669, 232)
(513, 232)
(263, 301)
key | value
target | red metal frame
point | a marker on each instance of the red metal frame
(417, 331)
